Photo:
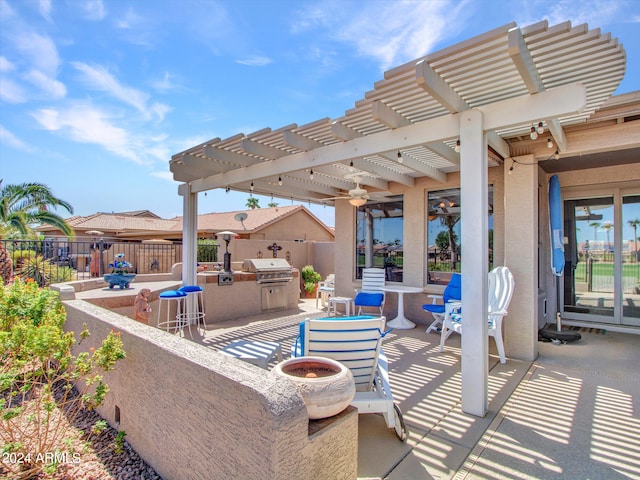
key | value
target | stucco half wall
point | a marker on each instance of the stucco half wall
(193, 413)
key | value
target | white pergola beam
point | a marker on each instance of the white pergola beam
(557, 132)
(435, 86)
(382, 113)
(445, 152)
(261, 149)
(341, 131)
(409, 161)
(206, 166)
(523, 61)
(300, 141)
(565, 100)
(498, 143)
(229, 156)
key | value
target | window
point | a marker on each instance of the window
(379, 237)
(443, 234)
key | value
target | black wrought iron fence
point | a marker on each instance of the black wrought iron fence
(53, 261)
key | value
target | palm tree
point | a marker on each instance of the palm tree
(634, 224)
(21, 208)
(253, 202)
(607, 227)
(595, 226)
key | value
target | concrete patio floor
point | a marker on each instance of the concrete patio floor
(574, 413)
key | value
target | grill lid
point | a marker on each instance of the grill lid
(256, 265)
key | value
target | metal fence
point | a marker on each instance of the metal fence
(53, 261)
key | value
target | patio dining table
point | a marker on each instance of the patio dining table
(400, 321)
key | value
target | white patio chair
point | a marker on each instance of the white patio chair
(326, 290)
(500, 290)
(371, 294)
(355, 342)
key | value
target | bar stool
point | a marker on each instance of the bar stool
(179, 321)
(198, 316)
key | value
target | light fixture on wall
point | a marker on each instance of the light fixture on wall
(357, 201)
(400, 159)
(457, 147)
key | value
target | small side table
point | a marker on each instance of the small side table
(256, 352)
(334, 301)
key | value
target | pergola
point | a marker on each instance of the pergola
(458, 109)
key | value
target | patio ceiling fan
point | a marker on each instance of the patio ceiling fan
(357, 196)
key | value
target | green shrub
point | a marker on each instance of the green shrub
(40, 380)
(310, 278)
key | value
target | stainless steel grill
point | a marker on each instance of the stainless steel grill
(269, 270)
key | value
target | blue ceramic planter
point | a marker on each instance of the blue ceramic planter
(121, 279)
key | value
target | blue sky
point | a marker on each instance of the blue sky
(96, 95)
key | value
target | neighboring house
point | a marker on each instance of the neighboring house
(291, 232)
(464, 141)
(294, 223)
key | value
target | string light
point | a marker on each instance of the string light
(549, 143)
(400, 159)
(555, 156)
(280, 181)
(457, 147)
(251, 187)
(534, 134)
(311, 174)
(540, 128)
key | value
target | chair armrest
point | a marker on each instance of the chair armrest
(434, 298)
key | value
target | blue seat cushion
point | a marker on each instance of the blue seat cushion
(433, 308)
(172, 294)
(366, 299)
(191, 288)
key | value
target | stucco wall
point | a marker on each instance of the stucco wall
(297, 226)
(193, 413)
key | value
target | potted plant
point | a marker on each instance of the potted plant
(119, 272)
(310, 279)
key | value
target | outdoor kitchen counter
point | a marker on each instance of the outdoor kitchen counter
(246, 297)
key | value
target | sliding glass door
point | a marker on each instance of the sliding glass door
(602, 263)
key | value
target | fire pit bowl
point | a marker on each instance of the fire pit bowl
(326, 386)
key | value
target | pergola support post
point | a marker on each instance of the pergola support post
(189, 234)
(474, 204)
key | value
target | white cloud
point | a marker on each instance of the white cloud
(165, 84)
(87, 124)
(160, 109)
(163, 175)
(12, 92)
(52, 87)
(255, 61)
(6, 65)
(11, 140)
(93, 10)
(100, 79)
(44, 6)
(40, 50)
(390, 32)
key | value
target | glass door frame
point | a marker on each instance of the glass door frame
(617, 191)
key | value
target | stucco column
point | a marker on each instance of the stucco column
(189, 234)
(474, 205)
(520, 327)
